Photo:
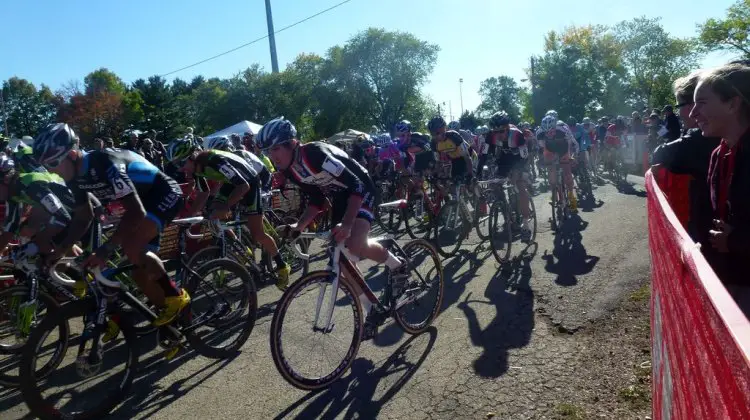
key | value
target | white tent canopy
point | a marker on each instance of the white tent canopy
(240, 128)
(345, 136)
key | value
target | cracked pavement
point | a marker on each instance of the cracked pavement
(506, 344)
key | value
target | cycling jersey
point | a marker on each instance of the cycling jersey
(453, 146)
(267, 162)
(613, 136)
(585, 137)
(555, 141)
(42, 190)
(231, 171)
(113, 174)
(322, 170)
(512, 151)
(264, 174)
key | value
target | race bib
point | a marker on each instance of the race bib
(333, 166)
(51, 203)
(227, 171)
(121, 188)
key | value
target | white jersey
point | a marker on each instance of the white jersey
(252, 160)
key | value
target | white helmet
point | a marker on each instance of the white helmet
(549, 122)
(454, 125)
(220, 143)
(586, 120)
(551, 112)
(482, 130)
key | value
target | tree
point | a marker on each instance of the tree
(385, 71)
(27, 108)
(653, 60)
(499, 94)
(103, 80)
(469, 121)
(729, 34)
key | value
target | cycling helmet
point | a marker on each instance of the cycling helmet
(635, 114)
(482, 130)
(524, 125)
(586, 120)
(53, 143)
(551, 112)
(402, 127)
(454, 125)
(549, 123)
(180, 149)
(6, 166)
(236, 140)
(220, 143)
(498, 120)
(572, 121)
(274, 132)
(436, 123)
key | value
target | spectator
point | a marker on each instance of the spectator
(722, 109)
(152, 154)
(636, 125)
(109, 143)
(691, 155)
(98, 144)
(248, 140)
(133, 143)
(601, 129)
(672, 123)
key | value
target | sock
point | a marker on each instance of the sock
(170, 289)
(279, 261)
(366, 304)
(392, 262)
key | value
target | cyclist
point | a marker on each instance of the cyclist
(586, 143)
(559, 149)
(511, 159)
(223, 143)
(150, 198)
(532, 147)
(324, 171)
(450, 144)
(613, 140)
(239, 185)
(23, 160)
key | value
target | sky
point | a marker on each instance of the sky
(65, 40)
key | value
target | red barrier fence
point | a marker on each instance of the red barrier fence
(699, 337)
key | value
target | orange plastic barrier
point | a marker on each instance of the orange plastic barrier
(699, 337)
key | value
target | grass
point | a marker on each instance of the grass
(643, 293)
(638, 396)
(566, 411)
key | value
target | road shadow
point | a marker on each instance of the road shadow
(513, 298)
(365, 390)
(629, 189)
(569, 257)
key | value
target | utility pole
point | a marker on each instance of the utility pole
(450, 110)
(532, 79)
(271, 38)
(461, 93)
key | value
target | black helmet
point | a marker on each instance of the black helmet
(436, 123)
(498, 120)
(53, 143)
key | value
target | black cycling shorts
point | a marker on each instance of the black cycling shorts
(249, 204)
(424, 161)
(162, 204)
(458, 168)
(507, 162)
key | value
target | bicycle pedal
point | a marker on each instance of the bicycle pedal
(170, 354)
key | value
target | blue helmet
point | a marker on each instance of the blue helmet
(276, 131)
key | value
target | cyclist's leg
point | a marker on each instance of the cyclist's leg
(550, 161)
(520, 179)
(568, 179)
(161, 207)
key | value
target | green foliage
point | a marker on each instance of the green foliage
(499, 94)
(27, 108)
(729, 34)
(469, 121)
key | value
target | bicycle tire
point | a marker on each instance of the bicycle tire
(501, 254)
(413, 229)
(390, 221)
(30, 390)
(481, 199)
(15, 351)
(277, 351)
(398, 314)
(450, 249)
(251, 304)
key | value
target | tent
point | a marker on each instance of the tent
(346, 136)
(240, 128)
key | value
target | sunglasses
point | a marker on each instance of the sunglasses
(683, 104)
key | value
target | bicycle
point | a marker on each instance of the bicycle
(585, 188)
(239, 246)
(324, 289)
(560, 204)
(108, 299)
(454, 222)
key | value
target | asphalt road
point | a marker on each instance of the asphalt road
(503, 343)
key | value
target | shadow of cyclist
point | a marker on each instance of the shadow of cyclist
(510, 293)
(365, 390)
(569, 257)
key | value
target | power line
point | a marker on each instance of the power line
(259, 39)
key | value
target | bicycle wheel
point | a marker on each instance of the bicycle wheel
(298, 348)
(416, 222)
(78, 388)
(15, 330)
(221, 318)
(389, 219)
(298, 265)
(420, 302)
(501, 233)
(482, 214)
(450, 229)
(533, 222)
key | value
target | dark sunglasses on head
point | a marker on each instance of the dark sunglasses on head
(683, 104)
